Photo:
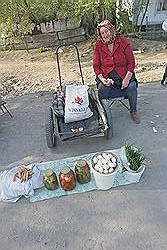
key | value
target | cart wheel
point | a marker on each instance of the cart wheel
(51, 138)
(108, 133)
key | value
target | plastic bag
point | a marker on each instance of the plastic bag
(164, 25)
(58, 103)
(77, 103)
(11, 191)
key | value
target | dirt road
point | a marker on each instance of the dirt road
(22, 73)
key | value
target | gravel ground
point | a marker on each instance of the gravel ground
(22, 73)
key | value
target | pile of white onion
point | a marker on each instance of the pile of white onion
(104, 163)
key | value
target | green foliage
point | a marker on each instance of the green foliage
(16, 16)
(14, 20)
(42, 49)
(134, 156)
(138, 6)
(84, 7)
(124, 22)
(109, 7)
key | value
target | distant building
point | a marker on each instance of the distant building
(155, 14)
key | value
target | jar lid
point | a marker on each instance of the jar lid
(48, 172)
(65, 170)
(81, 162)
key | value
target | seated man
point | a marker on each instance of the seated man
(113, 64)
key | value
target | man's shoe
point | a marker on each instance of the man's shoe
(164, 82)
(135, 117)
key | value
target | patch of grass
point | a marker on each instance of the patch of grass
(4, 52)
(42, 49)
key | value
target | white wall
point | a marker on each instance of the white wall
(154, 16)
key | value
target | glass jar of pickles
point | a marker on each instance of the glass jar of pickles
(82, 171)
(67, 179)
(50, 179)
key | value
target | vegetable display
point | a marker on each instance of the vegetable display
(50, 179)
(23, 173)
(67, 179)
(105, 163)
(82, 171)
(134, 156)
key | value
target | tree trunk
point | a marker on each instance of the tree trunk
(138, 13)
(101, 11)
(26, 44)
(145, 11)
(113, 15)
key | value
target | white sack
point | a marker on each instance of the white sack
(77, 103)
(11, 191)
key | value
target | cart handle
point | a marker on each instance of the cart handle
(58, 62)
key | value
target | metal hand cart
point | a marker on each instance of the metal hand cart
(99, 122)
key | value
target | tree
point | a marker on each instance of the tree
(140, 8)
(144, 14)
(16, 16)
(14, 21)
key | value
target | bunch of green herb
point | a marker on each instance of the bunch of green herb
(134, 156)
